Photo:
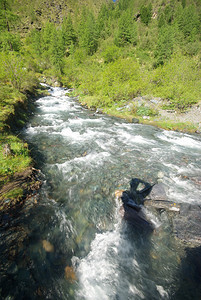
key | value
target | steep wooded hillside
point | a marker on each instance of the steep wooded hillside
(33, 14)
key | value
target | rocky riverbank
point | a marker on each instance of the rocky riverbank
(150, 110)
(22, 188)
(18, 179)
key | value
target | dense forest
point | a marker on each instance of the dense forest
(108, 51)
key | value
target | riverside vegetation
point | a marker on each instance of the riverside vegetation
(109, 53)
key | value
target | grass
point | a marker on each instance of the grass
(14, 194)
(17, 159)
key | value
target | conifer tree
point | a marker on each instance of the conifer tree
(127, 33)
(57, 49)
(35, 40)
(68, 32)
(146, 13)
(189, 22)
(8, 41)
(46, 36)
(102, 21)
(88, 32)
(164, 46)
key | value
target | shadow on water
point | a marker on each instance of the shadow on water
(189, 276)
(136, 245)
(140, 234)
(34, 264)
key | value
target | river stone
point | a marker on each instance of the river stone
(135, 120)
(187, 225)
(47, 246)
(70, 274)
(158, 192)
(118, 194)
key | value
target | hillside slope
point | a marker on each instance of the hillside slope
(33, 14)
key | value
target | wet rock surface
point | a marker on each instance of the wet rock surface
(14, 230)
(187, 225)
(29, 182)
(185, 218)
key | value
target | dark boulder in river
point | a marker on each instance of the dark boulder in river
(187, 225)
(185, 218)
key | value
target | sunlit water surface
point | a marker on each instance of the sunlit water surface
(95, 255)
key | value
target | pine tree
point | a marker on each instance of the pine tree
(46, 36)
(164, 47)
(88, 32)
(68, 32)
(127, 33)
(102, 21)
(146, 13)
(189, 22)
(35, 41)
(8, 41)
(57, 49)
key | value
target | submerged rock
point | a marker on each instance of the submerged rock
(47, 246)
(70, 274)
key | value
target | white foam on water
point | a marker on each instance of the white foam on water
(81, 121)
(56, 108)
(76, 136)
(42, 129)
(90, 160)
(181, 140)
(152, 218)
(65, 224)
(98, 273)
(50, 117)
(106, 145)
(136, 292)
(162, 292)
(182, 190)
(58, 92)
(128, 138)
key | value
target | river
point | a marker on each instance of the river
(78, 246)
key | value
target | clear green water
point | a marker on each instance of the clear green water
(84, 157)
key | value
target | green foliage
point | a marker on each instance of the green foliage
(13, 69)
(16, 193)
(88, 32)
(57, 49)
(7, 17)
(146, 111)
(9, 41)
(68, 32)
(146, 13)
(189, 22)
(103, 21)
(127, 33)
(178, 81)
(164, 47)
(111, 53)
(19, 158)
(46, 37)
(34, 39)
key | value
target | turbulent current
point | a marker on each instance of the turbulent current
(78, 246)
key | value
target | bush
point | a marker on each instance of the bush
(146, 111)
(111, 54)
